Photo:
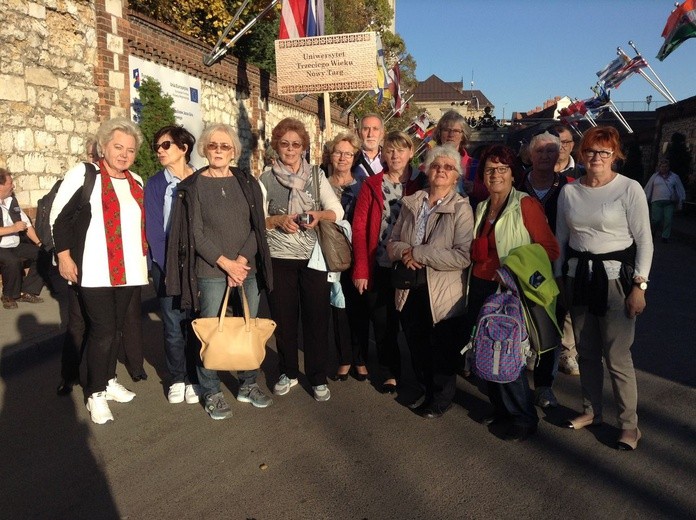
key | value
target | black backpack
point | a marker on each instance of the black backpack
(42, 224)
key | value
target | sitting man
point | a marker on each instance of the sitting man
(15, 253)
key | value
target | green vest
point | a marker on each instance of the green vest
(509, 229)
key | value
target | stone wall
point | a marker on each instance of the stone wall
(47, 90)
(680, 117)
(64, 68)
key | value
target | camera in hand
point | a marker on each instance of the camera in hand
(304, 219)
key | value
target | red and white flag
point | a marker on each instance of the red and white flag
(293, 17)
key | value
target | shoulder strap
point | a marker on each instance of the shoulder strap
(88, 186)
(315, 184)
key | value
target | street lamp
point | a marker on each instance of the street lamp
(648, 100)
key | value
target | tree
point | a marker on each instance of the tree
(679, 156)
(153, 110)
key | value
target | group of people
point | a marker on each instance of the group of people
(452, 222)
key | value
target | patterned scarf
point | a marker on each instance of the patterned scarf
(299, 201)
(112, 223)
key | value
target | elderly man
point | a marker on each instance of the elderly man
(15, 252)
(565, 164)
(544, 184)
(370, 159)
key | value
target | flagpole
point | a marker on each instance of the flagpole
(647, 78)
(355, 103)
(393, 112)
(215, 55)
(671, 97)
(327, 117)
(617, 113)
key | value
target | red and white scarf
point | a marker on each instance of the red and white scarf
(111, 210)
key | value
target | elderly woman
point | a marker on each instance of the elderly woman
(506, 220)
(433, 232)
(453, 130)
(344, 298)
(604, 231)
(173, 146)
(376, 211)
(104, 253)
(666, 194)
(299, 289)
(218, 225)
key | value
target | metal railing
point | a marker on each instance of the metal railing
(639, 106)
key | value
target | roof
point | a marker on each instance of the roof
(435, 90)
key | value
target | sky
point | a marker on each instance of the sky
(521, 53)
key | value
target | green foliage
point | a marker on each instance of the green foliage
(257, 46)
(154, 110)
(679, 156)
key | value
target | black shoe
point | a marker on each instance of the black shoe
(417, 403)
(358, 376)
(388, 388)
(140, 376)
(490, 420)
(65, 387)
(340, 377)
(518, 433)
(432, 411)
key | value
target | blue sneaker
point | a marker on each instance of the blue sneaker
(217, 407)
(253, 394)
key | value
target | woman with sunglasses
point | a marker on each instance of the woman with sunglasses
(299, 289)
(603, 227)
(173, 146)
(217, 240)
(506, 220)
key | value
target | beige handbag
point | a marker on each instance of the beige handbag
(233, 343)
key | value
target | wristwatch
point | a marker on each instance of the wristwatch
(640, 283)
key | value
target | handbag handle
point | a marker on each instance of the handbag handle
(245, 305)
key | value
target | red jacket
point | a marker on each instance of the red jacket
(367, 220)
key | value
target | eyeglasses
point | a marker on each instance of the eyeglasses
(566, 143)
(225, 147)
(349, 155)
(165, 145)
(496, 169)
(456, 131)
(604, 154)
(447, 167)
(287, 144)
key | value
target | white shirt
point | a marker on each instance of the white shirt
(604, 219)
(95, 262)
(10, 241)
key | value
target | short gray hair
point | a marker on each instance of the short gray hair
(546, 137)
(204, 140)
(444, 151)
(449, 118)
(117, 124)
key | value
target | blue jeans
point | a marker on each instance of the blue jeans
(180, 362)
(212, 292)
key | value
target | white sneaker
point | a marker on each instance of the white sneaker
(176, 393)
(569, 365)
(322, 393)
(192, 394)
(98, 408)
(115, 391)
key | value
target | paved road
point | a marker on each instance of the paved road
(362, 454)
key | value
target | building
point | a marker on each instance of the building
(438, 96)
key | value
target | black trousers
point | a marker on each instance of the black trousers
(300, 292)
(434, 347)
(512, 400)
(351, 347)
(377, 306)
(12, 263)
(106, 311)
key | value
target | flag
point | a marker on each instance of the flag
(293, 16)
(315, 18)
(599, 101)
(611, 69)
(573, 113)
(395, 90)
(631, 67)
(680, 26)
(382, 73)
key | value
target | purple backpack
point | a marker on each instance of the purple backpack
(500, 340)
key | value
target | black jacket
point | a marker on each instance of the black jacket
(181, 247)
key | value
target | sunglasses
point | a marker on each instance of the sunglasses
(225, 147)
(287, 144)
(165, 145)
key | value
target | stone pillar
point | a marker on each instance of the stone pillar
(112, 77)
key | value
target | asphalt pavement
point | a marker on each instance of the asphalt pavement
(360, 455)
